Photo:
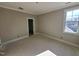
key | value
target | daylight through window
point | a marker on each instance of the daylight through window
(72, 21)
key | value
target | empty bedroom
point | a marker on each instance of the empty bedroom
(39, 28)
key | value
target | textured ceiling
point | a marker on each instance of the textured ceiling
(36, 8)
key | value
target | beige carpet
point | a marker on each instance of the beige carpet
(37, 44)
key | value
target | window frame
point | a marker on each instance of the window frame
(69, 9)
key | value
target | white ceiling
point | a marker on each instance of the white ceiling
(36, 8)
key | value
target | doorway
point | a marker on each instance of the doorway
(30, 26)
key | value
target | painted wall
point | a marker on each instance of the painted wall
(52, 24)
(36, 24)
(12, 24)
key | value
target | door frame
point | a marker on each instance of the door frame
(34, 28)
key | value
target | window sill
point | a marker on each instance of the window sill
(75, 34)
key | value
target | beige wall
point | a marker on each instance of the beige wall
(36, 24)
(12, 24)
(52, 24)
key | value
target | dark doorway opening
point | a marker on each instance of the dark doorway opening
(30, 25)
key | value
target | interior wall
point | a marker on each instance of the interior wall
(36, 24)
(52, 24)
(13, 24)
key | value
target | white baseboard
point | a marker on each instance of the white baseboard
(61, 40)
(16, 39)
(46, 35)
(10, 41)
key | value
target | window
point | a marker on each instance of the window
(72, 21)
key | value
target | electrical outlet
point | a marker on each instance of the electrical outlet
(61, 37)
(19, 35)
